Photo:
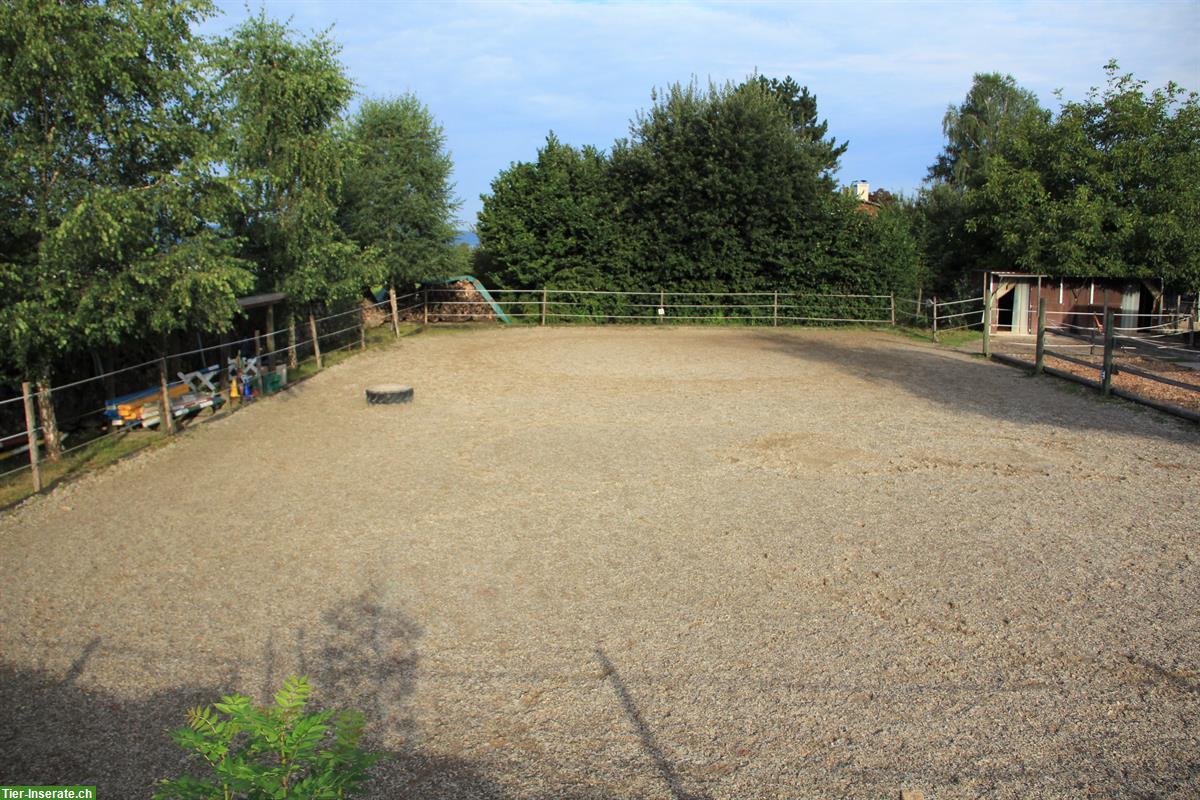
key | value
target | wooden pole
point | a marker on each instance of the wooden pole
(987, 324)
(362, 328)
(31, 436)
(775, 311)
(312, 328)
(1192, 326)
(271, 335)
(935, 304)
(1040, 361)
(1109, 342)
(425, 305)
(893, 298)
(544, 293)
(395, 311)
(293, 357)
(259, 361)
(166, 422)
(223, 365)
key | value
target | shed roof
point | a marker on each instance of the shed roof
(260, 300)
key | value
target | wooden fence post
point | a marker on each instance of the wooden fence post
(1040, 359)
(935, 304)
(166, 421)
(1192, 327)
(1109, 342)
(395, 310)
(425, 305)
(987, 324)
(223, 366)
(31, 436)
(544, 293)
(775, 311)
(271, 334)
(293, 360)
(362, 328)
(893, 298)
(312, 328)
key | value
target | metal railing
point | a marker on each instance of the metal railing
(84, 407)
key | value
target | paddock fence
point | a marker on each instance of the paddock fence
(1148, 358)
(113, 410)
(584, 306)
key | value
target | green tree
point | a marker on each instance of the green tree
(284, 97)
(1109, 187)
(810, 131)
(550, 221)
(398, 198)
(724, 188)
(977, 127)
(108, 182)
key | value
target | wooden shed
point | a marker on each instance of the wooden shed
(1070, 302)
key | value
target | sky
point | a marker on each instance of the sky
(499, 76)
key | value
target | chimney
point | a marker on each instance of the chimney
(862, 191)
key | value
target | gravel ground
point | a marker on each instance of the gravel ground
(638, 562)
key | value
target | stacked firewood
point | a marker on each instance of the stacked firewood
(458, 302)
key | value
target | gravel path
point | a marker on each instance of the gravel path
(634, 562)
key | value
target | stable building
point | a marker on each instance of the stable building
(1070, 302)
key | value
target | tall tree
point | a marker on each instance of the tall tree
(284, 96)
(976, 128)
(108, 187)
(809, 128)
(550, 221)
(398, 197)
(1110, 187)
(720, 188)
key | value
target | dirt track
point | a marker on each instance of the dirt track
(631, 562)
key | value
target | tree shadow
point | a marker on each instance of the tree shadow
(55, 730)
(978, 387)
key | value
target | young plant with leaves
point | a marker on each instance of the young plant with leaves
(278, 752)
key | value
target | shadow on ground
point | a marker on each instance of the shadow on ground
(55, 730)
(977, 386)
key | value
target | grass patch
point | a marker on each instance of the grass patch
(94, 455)
(108, 449)
(956, 338)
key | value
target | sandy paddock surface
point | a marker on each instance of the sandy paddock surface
(637, 562)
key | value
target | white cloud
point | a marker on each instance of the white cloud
(499, 75)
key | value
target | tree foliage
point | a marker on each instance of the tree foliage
(1108, 187)
(977, 128)
(284, 97)
(110, 185)
(550, 222)
(727, 188)
(398, 198)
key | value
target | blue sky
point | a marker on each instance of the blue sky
(500, 75)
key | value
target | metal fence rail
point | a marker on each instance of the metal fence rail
(85, 401)
(597, 306)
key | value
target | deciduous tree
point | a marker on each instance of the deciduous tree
(109, 185)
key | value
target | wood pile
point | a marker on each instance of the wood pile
(374, 316)
(456, 302)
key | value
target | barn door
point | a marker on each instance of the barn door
(1020, 314)
(1131, 300)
